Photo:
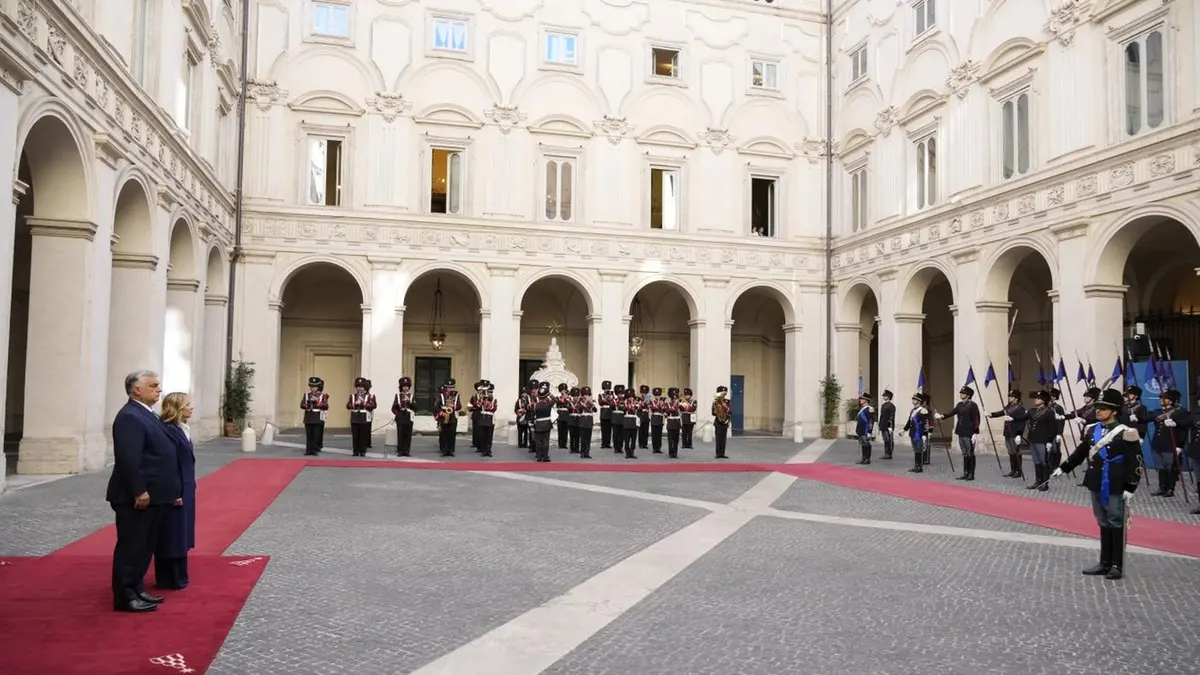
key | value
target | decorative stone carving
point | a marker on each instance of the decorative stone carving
(955, 225)
(1001, 212)
(1056, 195)
(27, 19)
(264, 94)
(962, 77)
(935, 232)
(886, 119)
(1087, 186)
(815, 149)
(554, 368)
(56, 44)
(338, 231)
(1066, 18)
(1196, 155)
(1027, 204)
(717, 139)
(505, 116)
(308, 231)
(895, 243)
(214, 44)
(977, 219)
(1162, 165)
(389, 104)
(879, 248)
(613, 127)
(1122, 176)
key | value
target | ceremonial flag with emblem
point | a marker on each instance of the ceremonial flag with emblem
(970, 377)
(1091, 375)
(921, 381)
(1041, 375)
(990, 376)
(1012, 377)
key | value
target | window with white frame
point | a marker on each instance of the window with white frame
(764, 74)
(141, 20)
(186, 92)
(926, 171)
(858, 199)
(858, 64)
(450, 35)
(331, 19)
(925, 15)
(325, 162)
(664, 198)
(1145, 84)
(446, 181)
(560, 189)
(1015, 135)
(763, 205)
(561, 48)
(664, 62)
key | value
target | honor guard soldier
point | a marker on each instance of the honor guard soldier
(1087, 414)
(864, 426)
(361, 405)
(644, 402)
(585, 415)
(687, 418)
(573, 422)
(449, 407)
(1060, 416)
(315, 405)
(522, 408)
(658, 417)
(1041, 428)
(674, 422)
(1014, 428)
(606, 406)
(1166, 447)
(631, 405)
(562, 403)
(487, 418)
(473, 407)
(618, 419)
(887, 424)
(544, 409)
(722, 412)
(1133, 413)
(1113, 454)
(966, 427)
(403, 408)
(917, 428)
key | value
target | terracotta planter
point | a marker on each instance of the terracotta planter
(231, 429)
(829, 431)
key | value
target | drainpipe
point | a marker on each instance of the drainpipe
(237, 195)
(828, 188)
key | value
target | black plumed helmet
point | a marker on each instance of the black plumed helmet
(1110, 398)
(606, 385)
(1172, 395)
(657, 391)
(1015, 393)
(316, 382)
(968, 391)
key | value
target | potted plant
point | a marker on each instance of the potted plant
(831, 397)
(239, 391)
(850, 408)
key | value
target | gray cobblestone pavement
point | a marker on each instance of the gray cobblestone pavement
(987, 477)
(780, 598)
(832, 500)
(382, 571)
(713, 487)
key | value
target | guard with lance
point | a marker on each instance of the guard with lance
(1170, 424)
(687, 418)
(1087, 414)
(486, 426)
(722, 412)
(315, 404)
(887, 424)
(1133, 413)
(674, 422)
(585, 415)
(966, 428)
(1060, 417)
(617, 418)
(864, 426)
(917, 428)
(658, 417)
(403, 408)
(606, 406)
(449, 408)
(1041, 428)
(1014, 415)
(361, 405)
(1112, 452)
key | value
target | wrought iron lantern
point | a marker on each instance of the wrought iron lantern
(437, 322)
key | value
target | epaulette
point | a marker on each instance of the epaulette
(1131, 435)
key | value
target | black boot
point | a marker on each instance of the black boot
(1117, 544)
(1106, 554)
(917, 457)
(1014, 469)
(1037, 477)
(887, 449)
(970, 461)
(1043, 481)
(1162, 484)
(1172, 477)
(966, 474)
(865, 454)
(925, 455)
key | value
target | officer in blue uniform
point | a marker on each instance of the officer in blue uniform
(864, 426)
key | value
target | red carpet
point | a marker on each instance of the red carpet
(531, 466)
(1163, 535)
(57, 617)
(228, 501)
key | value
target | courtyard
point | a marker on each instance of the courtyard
(786, 560)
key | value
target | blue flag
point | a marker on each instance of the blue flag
(1091, 376)
(1061, 376)
(1118, 369)
(921, 381)
(989, 377)
(1041, 375)
(1081, 376)
(970, 377)
(1011, 376)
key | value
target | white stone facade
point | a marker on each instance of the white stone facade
(601, 171)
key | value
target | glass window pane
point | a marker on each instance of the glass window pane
(854, 202)
(1133, 88)
(931, 15)
(316, 171)
(551, 190)
(863, 207)
(339, 21)
(656, 200)
(919, 12)
(1155, 103)
(459, 37)
(567, 185)
(756, 73)
(441, 35)
(920, 175)
(670, 200)
(1023, 136)
(454, 183)
(772, 78)
(1008, 124)
(568, 49)
(931, 181)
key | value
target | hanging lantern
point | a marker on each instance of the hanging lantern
(437, 322)
(635, 330)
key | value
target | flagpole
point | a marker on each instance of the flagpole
(1175, 447)
(941, 429)
(1071, 393)
(987, 420)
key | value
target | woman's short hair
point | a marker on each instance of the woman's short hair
(172, 407)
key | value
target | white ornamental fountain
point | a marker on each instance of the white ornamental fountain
(554, 368)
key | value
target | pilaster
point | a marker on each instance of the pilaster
(1104, 316)
(500, 336)
(179, 355)
(711, 360)
(1073, 328)
(213, 359)
(847, 337)
(256, 332)
(993, 321)
(908, 340)
(793, 334)
(611, 351)
(969, 334)
(383, 328)
(130, 346)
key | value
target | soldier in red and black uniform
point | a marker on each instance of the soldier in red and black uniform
(573, 421)
(658, 417)
(674, 420)
(633, 408)
(644, 401)
(486, 425)
(361, 405)
(562, 402)
(448, 409)
(522, 408)
(618, 418)
(585, 416)
(606, 406)
(687, 418)
(472, 406)
(403, 407)
(315, 405)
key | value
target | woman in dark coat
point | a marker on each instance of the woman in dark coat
(178, 533)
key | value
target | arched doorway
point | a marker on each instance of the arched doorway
(556, 307)
(758, 361)
(216, 300)
(179, 331)
(54, 234)
(928, 298)
(320, 334)
(131, 345)
(1021, 278)
(441, 335)
(660, 337)
(858, 343)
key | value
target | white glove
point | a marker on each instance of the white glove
(937, 416)
(922, 411)
(1016, 440)
(1169, 422)
(1133, 418)
(1179, 451)
(1080, 421)
(1127, 495)
(1057, 472)
(871, 438)
(1007, 418)
(1058, 439)
(975, 439)
(1059, 417)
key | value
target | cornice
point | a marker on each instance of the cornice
(183, 285)
(992, 307)
(216, 300)
(910, 318)
(135, 261)
(62, 228)
(1110, 291)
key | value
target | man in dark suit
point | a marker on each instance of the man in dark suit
(145, 479)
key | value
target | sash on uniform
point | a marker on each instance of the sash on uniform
(1105, 479)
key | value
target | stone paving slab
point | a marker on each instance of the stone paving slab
(987, 477)
(713, 487)
(832, 500)
(783, 598)
(382, 571)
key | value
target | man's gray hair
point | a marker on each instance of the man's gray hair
(136, 376)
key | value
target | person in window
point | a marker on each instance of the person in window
(178, 534)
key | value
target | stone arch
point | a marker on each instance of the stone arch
(918, 281)
(133, 217)
(467, 274)
(919, 101)
(281, 280)
(181, 250)
(1009, 54)
(858, 290)
(631, 107)
(690, 297)
(771, 288)
(528, 86)
(581, 283)
(449, 114)
(855, 138)
(60, 164)
(999, 268)
(214, 275)
(282, 65)
(1115, 240)
(734, 114)
(487, 86)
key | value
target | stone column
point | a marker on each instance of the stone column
(993, 322)
(179, 351)
(612, 343)
(1104, 321)
(711, 362)
(130, 346)
(383, 335)
(256, 332)
(697, 349)
(969, 334)
(485, 338)
(595, 364)
(1072, 327)
(364, 359)
(55, 435)
(500, 343)
(908, 350)
(847, 337)
(9, 156)
(792, 385)
(213, 376)
(890, 375)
